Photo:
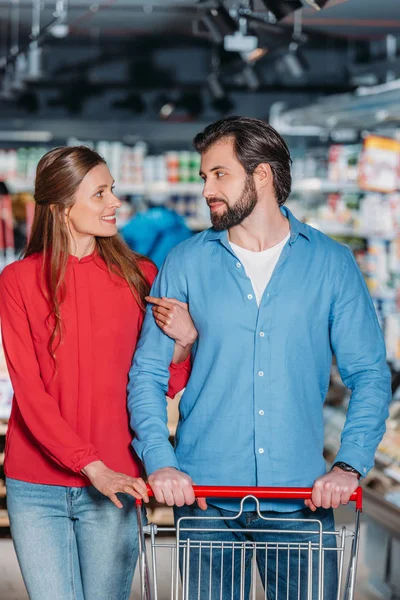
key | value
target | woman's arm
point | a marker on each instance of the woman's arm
(173, 318)
(38, 408)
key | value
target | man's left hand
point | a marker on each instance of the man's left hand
(333, 489)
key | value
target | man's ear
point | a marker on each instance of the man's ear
(263, 174)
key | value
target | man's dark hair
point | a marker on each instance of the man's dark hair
(255, 142)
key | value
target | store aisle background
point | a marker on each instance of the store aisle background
(137, 79)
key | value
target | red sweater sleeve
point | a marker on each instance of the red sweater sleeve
(39, 409)
(179, 373)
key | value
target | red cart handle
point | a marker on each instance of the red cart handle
(279, 493)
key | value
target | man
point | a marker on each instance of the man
(272, 299)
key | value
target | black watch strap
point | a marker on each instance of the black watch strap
(345, 467)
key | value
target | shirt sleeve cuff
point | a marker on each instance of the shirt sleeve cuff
(185, 365)
(78, 465)
(160, 458)
(354, 456)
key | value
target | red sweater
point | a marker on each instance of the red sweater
(61, 423)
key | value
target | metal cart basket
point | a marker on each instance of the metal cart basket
(288, 559)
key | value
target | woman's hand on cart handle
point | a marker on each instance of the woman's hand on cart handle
(110, 483)
(174, 488)
(333, 489)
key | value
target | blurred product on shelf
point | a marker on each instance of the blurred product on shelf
(379, 164)
(155, 231)
(23, 208)
(20, 163)
(6, 392)
(7, 249)
(343, 162)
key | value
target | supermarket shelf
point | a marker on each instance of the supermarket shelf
(4, 520)
(315, 184)
(157, 187)
(348, 231)
(310, 184)
(384, 512)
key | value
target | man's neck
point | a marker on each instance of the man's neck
(263, 229)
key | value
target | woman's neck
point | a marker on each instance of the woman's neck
(81, 247)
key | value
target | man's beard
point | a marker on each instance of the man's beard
(236, 214)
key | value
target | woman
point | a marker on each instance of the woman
(71, 314)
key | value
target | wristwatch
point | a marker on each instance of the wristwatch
(345, 467)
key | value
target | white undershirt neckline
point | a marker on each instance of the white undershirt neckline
(259, 266)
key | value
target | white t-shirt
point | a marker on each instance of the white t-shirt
(259, 266)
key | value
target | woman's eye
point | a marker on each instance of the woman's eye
(99, 194)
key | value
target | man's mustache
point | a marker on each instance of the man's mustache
(216, 201)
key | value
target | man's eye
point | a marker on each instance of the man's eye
(220, 174)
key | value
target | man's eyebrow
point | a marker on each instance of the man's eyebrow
(214, 169)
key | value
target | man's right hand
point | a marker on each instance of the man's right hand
(172, 487)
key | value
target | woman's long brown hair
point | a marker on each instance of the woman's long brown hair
(58, 176)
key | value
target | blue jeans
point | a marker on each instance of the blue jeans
(72, 543)
(283, 570)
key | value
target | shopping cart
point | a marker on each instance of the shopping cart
(298, 561)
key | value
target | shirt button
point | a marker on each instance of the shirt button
(261, 412)
(250, 296)
(261, 373)
(238, 265)
(261, 450)
(262, 334)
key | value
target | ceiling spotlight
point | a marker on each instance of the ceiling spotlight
(167, 110)
(293, 63)
(282, 8)
(34, 59)
(241, 41)
(60, 29)
(20, 72)
(164, 106)
(255, 55)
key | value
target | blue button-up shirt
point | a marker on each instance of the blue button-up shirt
(252, 410)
